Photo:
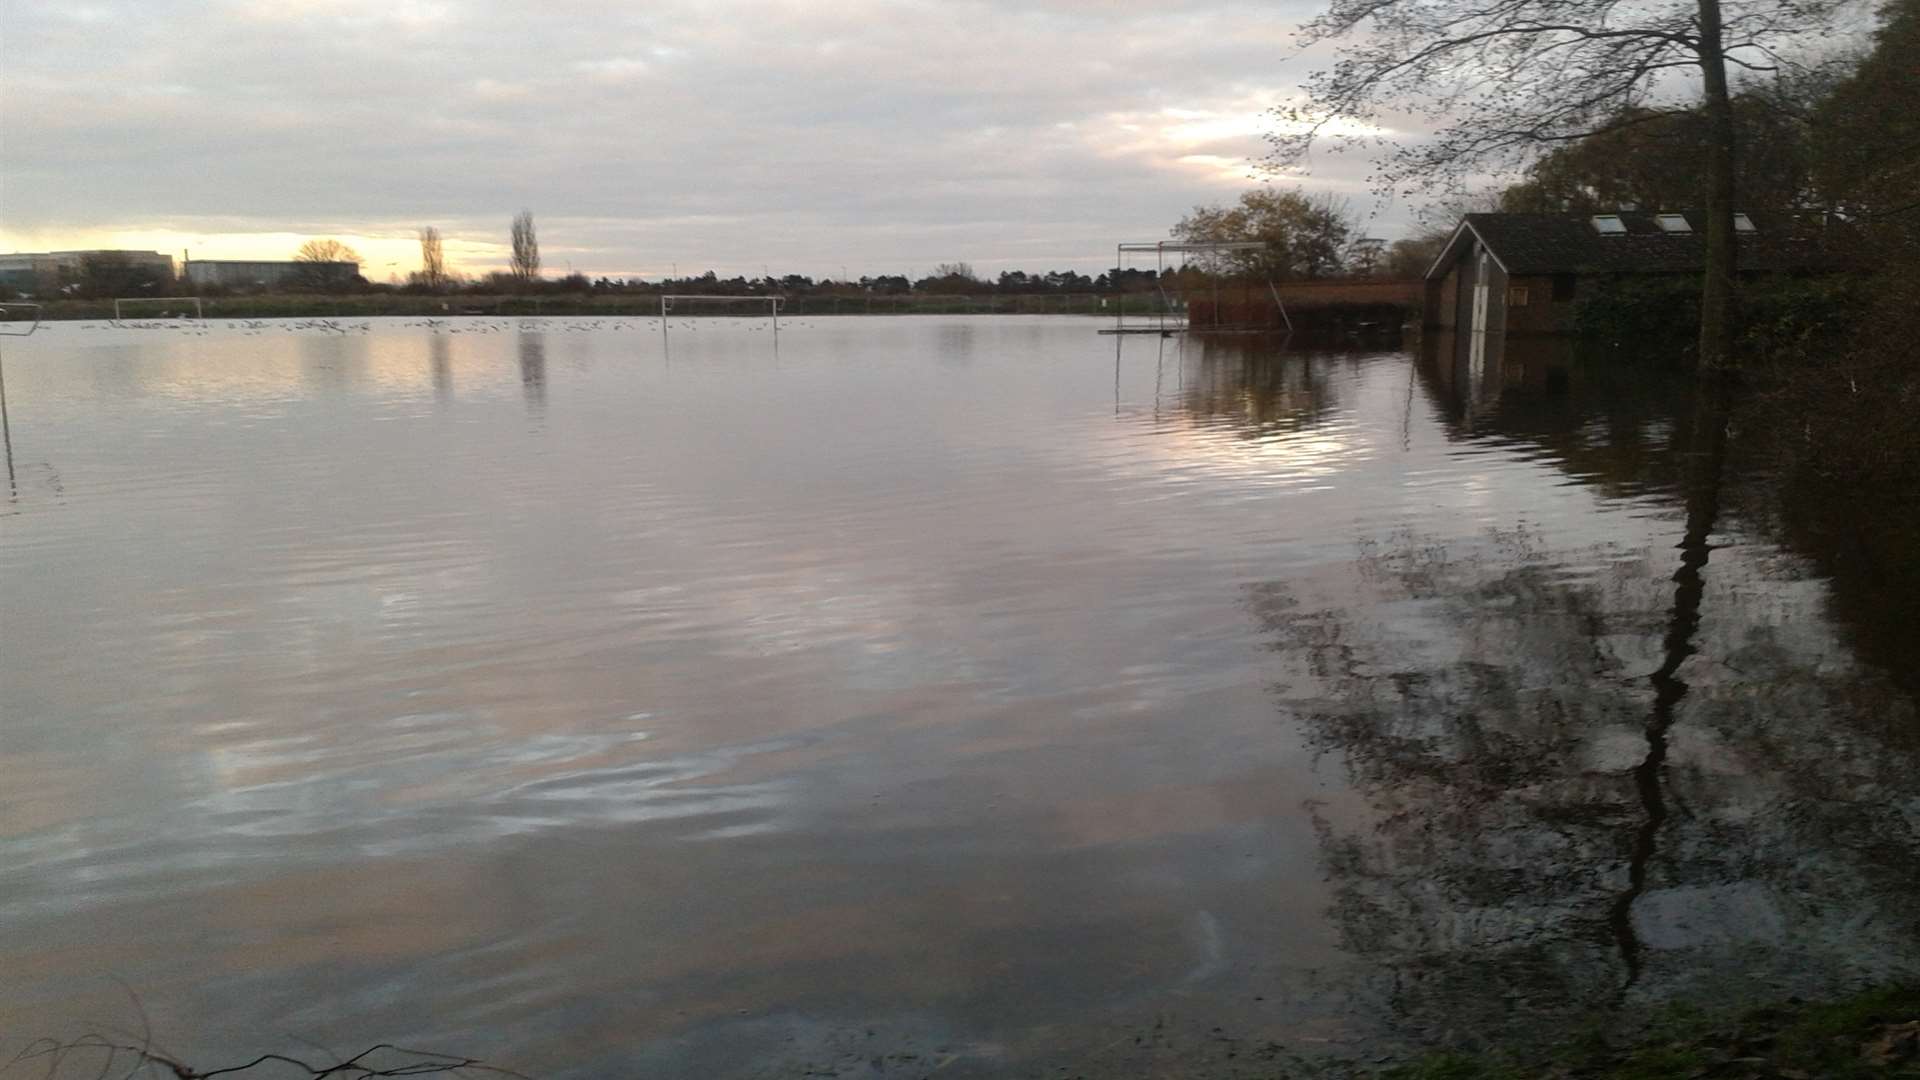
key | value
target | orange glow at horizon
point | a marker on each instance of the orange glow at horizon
(381, 254)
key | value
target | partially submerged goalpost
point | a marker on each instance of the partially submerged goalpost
(773, 304)
(194, 300)
(1161, 250)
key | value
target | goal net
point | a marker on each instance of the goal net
(737, 307)
(1195, 286)
(156, 307)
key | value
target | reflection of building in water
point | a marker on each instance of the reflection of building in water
(1610, 424)
(1462, 371)
(1472, 370)
(533, 370)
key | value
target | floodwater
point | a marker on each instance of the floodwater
(975, 694)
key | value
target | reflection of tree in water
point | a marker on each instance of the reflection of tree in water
(1507, 715)
(1610, 423)
(1863, 534)
(1868, 547)
(533, 370)
(1251, 383)
(440, 360)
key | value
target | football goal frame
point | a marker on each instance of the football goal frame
(1171, 256)
(198, 314)
(773, 303)
(8, 319)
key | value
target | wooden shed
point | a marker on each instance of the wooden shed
(1521, 273)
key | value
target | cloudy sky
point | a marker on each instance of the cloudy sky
(882, 136)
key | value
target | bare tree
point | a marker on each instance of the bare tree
(97, 1056)
(526, 248)
(326, 249)
(1508, 79)
(325, 264)
(433, 265)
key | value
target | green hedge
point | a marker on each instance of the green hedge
(1780, 317)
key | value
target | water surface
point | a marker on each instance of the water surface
(974, 693)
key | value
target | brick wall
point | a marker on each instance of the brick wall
(1527, 300)
(1253, 304)
(1531, 308)
(1307, 294)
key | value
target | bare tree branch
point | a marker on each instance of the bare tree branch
(378, 1060)
(526, 248)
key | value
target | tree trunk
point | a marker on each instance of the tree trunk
(1717, 291)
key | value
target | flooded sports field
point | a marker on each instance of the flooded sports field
(971, 694)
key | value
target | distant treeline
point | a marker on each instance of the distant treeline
(609, 302)
(106, 279)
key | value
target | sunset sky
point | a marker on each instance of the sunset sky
(799, 137)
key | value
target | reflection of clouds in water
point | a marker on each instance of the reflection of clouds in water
(1250, 413)
(964, 638)
(416, 785)
(1298, 460)
(871, 624)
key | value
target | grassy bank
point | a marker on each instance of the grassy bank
(1871, 1034)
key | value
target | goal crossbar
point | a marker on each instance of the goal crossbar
(773, 302)
(1193, 245)
(1160, 250)
(194, 300)
(8, 318)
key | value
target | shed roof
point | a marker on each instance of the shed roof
(1569, 244)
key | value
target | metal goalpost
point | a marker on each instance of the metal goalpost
(1161, 250)
(11, 314)
(194, 300)
(27, 313)
(773, 303)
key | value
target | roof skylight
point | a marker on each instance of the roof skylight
(1743, 223)
(1673, 223)
(1609, 225)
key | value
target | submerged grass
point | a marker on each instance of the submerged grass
(612, 304)
(1874, 1034)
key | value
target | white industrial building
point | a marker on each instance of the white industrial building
(43, 272)
(260, 273)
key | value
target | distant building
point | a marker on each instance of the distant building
(44, 272)
(30, 272)
(258, 273)
(1506, 274)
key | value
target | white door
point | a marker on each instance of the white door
(1480, 296)
(1477, 343)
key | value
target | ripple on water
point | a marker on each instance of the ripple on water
(662, 698)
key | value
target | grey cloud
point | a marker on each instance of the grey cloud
(875, 135)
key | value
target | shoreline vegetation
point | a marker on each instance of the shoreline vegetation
(1866, 1035)
(1872, 1033)
(1313, 324)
